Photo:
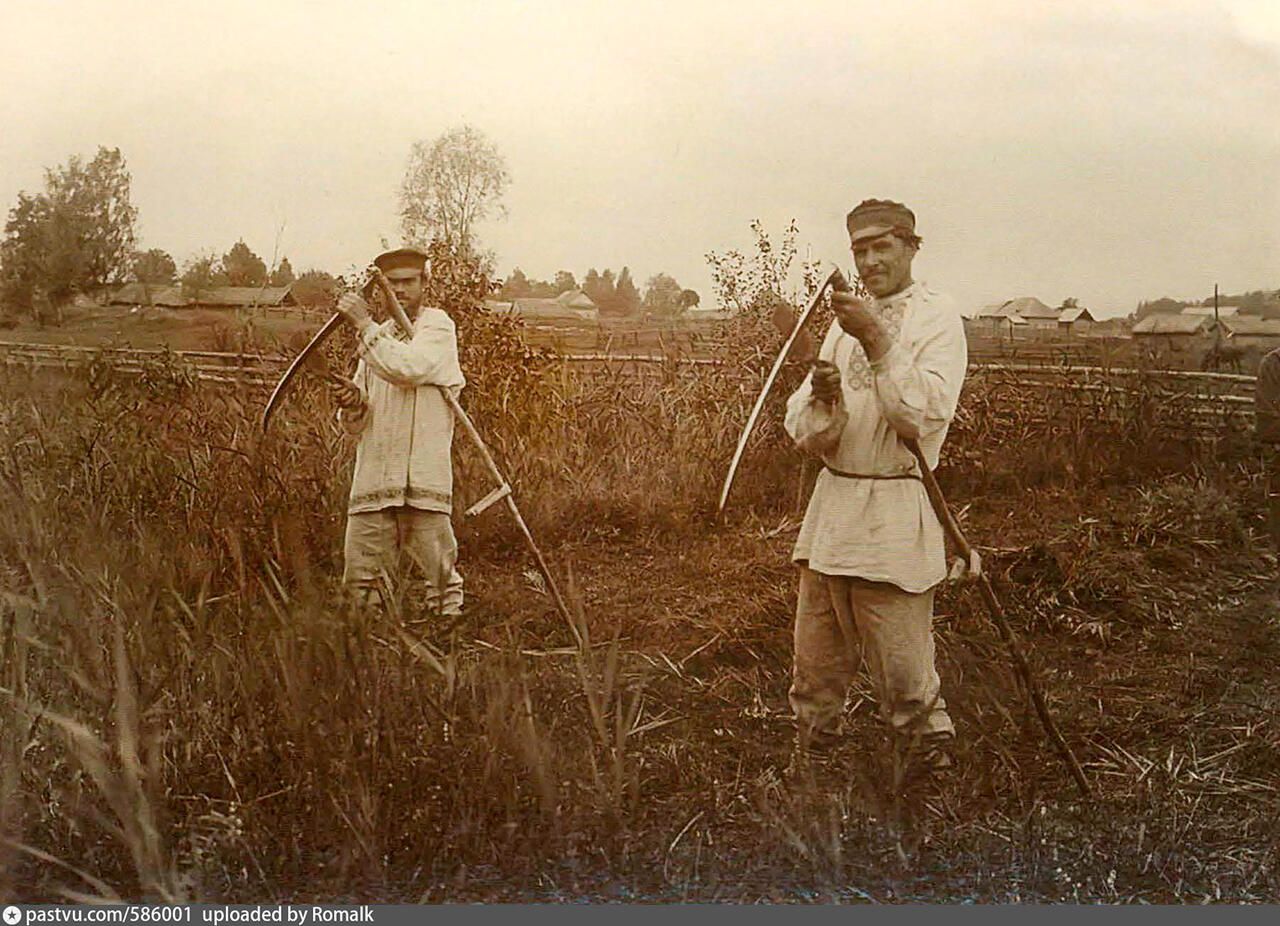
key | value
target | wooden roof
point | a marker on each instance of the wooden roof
(1172, 323)
(172, 295)
(1252, 325)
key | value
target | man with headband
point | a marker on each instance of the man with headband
(871, 549)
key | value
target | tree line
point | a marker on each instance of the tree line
(612, 294)
(78, 236)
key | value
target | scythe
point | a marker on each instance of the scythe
(952, 529)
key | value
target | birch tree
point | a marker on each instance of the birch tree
(451, 184)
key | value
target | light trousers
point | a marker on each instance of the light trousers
(388, 547)
(894, 638)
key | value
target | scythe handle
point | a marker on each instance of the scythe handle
(398, 313)
(1023, 668)
(393, 303)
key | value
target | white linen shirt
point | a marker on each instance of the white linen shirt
(405, 426)
(883, 530)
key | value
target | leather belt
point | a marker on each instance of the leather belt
(845, 475)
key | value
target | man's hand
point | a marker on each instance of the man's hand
(857, 316)
(826, 381)
(346, 393)
(354, 309)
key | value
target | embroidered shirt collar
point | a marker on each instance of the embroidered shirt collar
(901, 295)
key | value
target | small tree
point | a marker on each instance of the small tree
(199, 275)
(76, 236)
(591, 285)
(243, 267)
(627, 298)
(283, 274)
(515, 287)
(564, 282)
(760, 292)
(154, 267)
(662, 296)
(314, 288)
(449, 186)
(689, 298)
(606, 296)
(541, 289)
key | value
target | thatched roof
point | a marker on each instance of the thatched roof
(575, 299)
(1031, 307)
(996, 310)
(550, 308)
(990, 317)
(1171, 323)
(172, 296)
(1252, 325)
(1075, 314)
(245, 295)
(1023, 307)
(162, 294)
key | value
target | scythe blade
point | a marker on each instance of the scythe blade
(374, 276)
(835, 279)
(276, 394)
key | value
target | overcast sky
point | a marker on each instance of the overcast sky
(1107, 151)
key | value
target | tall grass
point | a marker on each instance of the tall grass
(195, 713)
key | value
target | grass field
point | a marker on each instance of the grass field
(275, 332)
(196, 715)
(178, 329)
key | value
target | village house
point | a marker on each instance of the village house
(244, 296)
(1076, 320)
(1172, 335)
(573, 305)
(551, 309)
(165, 295)
(577, 299)
(1250, 331)
(1035, 313)
(210, 297)
(999, 320)
(1172, 326)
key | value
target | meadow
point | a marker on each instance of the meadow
(195, 714)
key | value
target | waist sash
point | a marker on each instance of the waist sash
(846, 475)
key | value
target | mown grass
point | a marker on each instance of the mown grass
(196, 714)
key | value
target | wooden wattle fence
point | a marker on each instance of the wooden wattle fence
(1200, 403)
(254, 371)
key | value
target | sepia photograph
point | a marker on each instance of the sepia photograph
(634, 453)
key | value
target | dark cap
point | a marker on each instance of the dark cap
(872, 218)
(401, 259)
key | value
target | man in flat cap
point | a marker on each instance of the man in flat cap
(398, 513)
(871, 549)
